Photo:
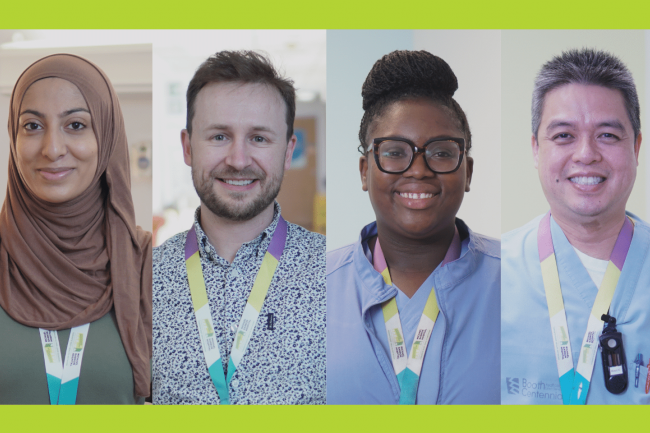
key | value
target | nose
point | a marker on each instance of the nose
(586, 151)
(238, 156)
(418, 169)
(53, 145)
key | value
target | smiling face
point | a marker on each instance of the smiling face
(586, 152)
(417, 203)
(238, 148)
(56, 147)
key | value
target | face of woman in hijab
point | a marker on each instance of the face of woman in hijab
(418, 202)
(56, 147)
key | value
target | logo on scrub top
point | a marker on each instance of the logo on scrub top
(513, 385)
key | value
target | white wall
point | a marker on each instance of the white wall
(523, 54)
(474, 56)
(350, 56)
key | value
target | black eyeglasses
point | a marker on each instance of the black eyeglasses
(396, 155)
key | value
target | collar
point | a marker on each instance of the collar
(259, 244)
(375, 291)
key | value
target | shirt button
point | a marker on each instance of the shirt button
(234, 383)
(234, 273)
(233, 327)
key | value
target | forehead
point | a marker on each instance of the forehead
(238, 104)
(55, 94)
(416, 119)
(584, 104)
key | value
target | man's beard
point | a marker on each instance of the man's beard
(239, 210)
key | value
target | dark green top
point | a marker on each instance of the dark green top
(106, 376)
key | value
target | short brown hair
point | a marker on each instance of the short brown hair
(246, 67)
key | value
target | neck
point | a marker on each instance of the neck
(411, 261)
(227, 236)
(594, 236)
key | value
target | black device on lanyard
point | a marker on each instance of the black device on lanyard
(613, 353)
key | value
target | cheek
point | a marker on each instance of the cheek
(86, 152)
(26, 154)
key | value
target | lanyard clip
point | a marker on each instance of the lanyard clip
(613, 356)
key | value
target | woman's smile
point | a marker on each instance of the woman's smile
(56, 147)
(417, 203)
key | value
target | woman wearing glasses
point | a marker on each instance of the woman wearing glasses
(413, 306)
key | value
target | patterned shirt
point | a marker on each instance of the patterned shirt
(284, 363)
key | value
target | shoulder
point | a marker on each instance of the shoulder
(339, 258)
(639, 223)
(516, 242)
(172, 248)
(485, 245)
(301, 238)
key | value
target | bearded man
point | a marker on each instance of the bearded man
(239, 299)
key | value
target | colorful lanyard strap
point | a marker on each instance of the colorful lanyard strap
(251, 311)
(63, 377)
(408, 367)
(575, 386)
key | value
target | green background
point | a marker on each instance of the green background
(333, 14)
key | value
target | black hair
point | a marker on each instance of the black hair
(409, 75)
(589, 67)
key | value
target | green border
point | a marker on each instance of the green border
(330, 14)
(333, 14)
(267, 419)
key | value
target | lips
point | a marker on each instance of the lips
(587, 180)
(415, 195)
(238, 182)
(238, 185)
(55, 173)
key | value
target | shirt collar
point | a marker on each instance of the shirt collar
(261, 241)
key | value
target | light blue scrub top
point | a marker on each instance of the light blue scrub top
(462, 358)
(528, 368)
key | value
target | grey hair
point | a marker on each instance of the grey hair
(590, 67)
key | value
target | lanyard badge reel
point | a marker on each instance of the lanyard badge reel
(613, 353)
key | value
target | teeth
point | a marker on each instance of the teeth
(415, 195)
(238, 182)
(583, 180)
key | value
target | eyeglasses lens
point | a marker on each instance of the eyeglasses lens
(442, 156)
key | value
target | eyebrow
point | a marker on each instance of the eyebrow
(559, 123)
(607, 123)
(64, 114)
(254, 128)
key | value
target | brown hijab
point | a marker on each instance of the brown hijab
(67, 264)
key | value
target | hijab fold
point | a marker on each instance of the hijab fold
(67, 264)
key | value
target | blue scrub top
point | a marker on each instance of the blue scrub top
(462, 358)
(528, 370)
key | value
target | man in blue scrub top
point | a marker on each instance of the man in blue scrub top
(586, 141)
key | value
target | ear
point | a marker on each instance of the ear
(291, 146)
(469, 172)
(363, 171)
(535, 147)
(637, 147)
(187, 148)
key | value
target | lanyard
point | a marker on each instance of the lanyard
(575, 386)
(63, 378)
(408, 367)
(251, 311)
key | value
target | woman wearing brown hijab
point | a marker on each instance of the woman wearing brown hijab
(70, 252)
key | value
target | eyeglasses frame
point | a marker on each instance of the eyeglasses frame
(377, 141)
